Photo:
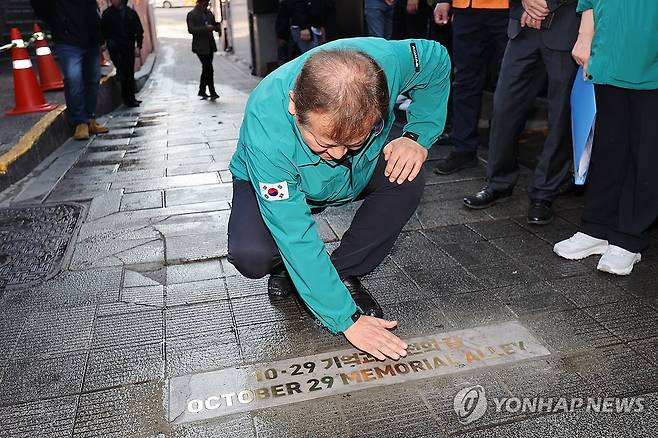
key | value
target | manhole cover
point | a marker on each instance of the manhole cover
(33, 242)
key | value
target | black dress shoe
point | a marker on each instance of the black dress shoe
(456, 161)
(280, 285)
(486, 198)
(214, 96)
(133, 104)
(444, 139)
(540, 212)
(203, 95)
(362, 297)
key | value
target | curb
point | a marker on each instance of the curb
(54, 128)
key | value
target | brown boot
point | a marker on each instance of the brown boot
(95, 128)
(81, 132)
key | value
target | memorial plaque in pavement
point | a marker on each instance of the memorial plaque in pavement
(257, 386)
(33, 242)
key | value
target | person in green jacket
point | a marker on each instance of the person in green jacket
(314, 135)
(617, 47)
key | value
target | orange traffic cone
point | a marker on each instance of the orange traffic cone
(104, 61)
(28, 96)
(49, 74)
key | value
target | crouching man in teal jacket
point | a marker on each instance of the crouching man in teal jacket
(314, 135)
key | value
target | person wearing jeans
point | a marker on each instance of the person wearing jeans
(615, 49)
(379, 18)
(76, 29)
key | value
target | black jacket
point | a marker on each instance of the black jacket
(564, 23)
(307, 13)
(122, 28)
(203, 39)
(74, 22)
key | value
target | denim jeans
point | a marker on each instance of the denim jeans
(379, 18)
(82, 73)
(304, 46)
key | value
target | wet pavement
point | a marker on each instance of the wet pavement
(145, 304)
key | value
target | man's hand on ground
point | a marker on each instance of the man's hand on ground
(372, 335)
(405, 159)
(537, 9)
(441, 13)
(305, 34)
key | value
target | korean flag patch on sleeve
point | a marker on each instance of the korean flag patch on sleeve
(274, 191)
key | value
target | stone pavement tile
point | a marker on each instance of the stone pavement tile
(152, 296)
(102, 157)
(196, 292)
(136, 175)
(233, 426)
(128, 411)
(571, 215)
(324, 230)
(547, 377)
(439, 394)
(499, 228)
(43, 418)
(474, 309)
(451, 190)
(522, 247)
(201, 351)
(196, 247)
(473, 173)
(532, 297)
(58, 331)
(168, 182)
(647, 348)
(11, 327)
(186, 321)
(109, 367)
(142, 200)
(105, 204)
(569, 331)
(193, 195)
(549, 268)
(589, 290)
(78, 288)
(104, 141)
(313, 418)
(77, 192)
(642, 283)
(196, 271)
(388, 411)
(446, 281)
(614, 370)
(392, 290)
(417, 318)
(263, 308)
(505, 274)
(629, 320)
(194, 224)
(226, 176)
(387, 268)
(133, 278)
(415, 250)
(197, 168)
(115, 252)
(340, 218)
(449, 212)
(554, 232)
(452, 234)
(227, 268)
(514, 206)
(474, 254)
(41, 378)
(240, 286)
(286, 339)
(130, 329)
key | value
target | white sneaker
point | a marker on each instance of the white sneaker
(404, 106)
(617, 260)
(579, 246)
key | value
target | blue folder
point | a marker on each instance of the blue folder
(583, 116)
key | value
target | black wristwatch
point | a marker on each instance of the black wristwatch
(356, 316)
(411, 135)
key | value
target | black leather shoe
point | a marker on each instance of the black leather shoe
(444, 139)
(280, 285)
(214, 96)
(540, 212)
(362, 297)
(203, 95)
(486, 198)
(456, 161)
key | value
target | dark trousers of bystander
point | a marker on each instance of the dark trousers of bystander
(207, 79)
(621, 200)
(123, 59)
(385, 210)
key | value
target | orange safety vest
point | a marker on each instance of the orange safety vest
(481, 4)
